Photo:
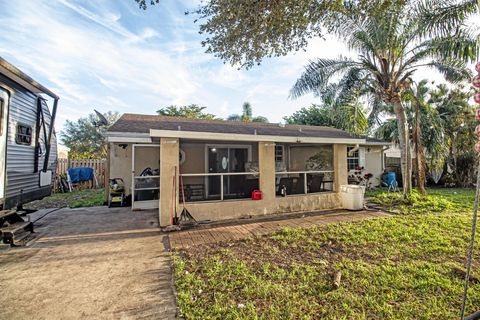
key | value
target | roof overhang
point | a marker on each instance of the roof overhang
(23, 79)
(193, 135)
(377, 143)
(128, 137)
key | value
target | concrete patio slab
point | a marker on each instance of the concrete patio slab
(95, 263)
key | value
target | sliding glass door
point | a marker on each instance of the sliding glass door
(225, 160)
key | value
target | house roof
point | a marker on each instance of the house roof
(375, 141)
(159, 125)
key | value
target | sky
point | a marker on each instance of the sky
(110, 55)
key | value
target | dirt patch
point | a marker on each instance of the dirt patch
(261, 250)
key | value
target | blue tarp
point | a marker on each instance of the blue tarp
(390, 179)
(80, 174)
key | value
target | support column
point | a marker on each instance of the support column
(169, 150)
(266, 167)
(340, 165)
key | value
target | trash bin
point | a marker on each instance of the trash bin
(352, 196)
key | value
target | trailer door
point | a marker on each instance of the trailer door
(3, 141)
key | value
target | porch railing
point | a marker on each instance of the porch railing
(304, 182)
(145, 188)
(207, 184)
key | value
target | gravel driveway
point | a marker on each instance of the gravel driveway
(94, 263)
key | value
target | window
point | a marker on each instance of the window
(352, 159)
(24, 134)
(279, 153)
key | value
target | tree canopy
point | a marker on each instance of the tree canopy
(191, 111)
(243, 32)
(391, 46)
(85, 138)
(333, 112)
(247, 115)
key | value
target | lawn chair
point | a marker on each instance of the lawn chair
(316, 183)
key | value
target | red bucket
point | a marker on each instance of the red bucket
(257, 195)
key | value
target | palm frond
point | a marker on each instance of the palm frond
(462, 46)
(378, 107)
(453, 70)
(318, 73)
(443, 17)
(388, 131)
(351, 86)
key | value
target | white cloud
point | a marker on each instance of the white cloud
(83, 62)
(110, 55)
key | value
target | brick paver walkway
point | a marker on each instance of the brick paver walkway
(187, 238)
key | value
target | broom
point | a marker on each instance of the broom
(185, 216)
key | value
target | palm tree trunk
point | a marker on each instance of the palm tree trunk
(419, 153)
(405, 153)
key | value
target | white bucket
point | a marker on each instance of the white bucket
(352, 196)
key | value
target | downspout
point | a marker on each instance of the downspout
(50, 132)
(355, 149)
(383, 156)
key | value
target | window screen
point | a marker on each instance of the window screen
(24, 134)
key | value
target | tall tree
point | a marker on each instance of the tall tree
(458, 118)
(391, 46)
(443, 123)
(247, 115)
(86, 138)
(191, 111)
(333, 112)
(417, 97)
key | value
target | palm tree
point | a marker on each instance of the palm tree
(458, 119)
(428, 131)
(393, 39)
(417, 95)
(333, 111)
(246, 115)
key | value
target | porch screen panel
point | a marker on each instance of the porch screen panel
(219, 171)
(146, 175)
(309, 170)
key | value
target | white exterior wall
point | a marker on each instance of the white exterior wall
(373, 162)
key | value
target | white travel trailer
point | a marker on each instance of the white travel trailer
(28, 153)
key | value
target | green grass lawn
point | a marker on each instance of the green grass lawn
(75, 199)
(408, 266)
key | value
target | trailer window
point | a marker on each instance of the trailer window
(24, 134)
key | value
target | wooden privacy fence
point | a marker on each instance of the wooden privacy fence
(98, 166)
